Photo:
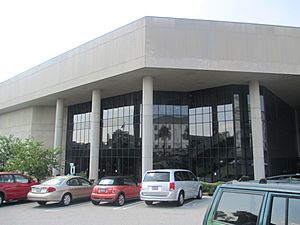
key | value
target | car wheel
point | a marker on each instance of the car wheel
(41, 203)
(1, 199)
(66, 199)
(95, 202)
(120, 200)
(200, 193)
(148, 202)
(180, 200)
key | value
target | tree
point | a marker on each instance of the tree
(29, 157)
(5, 149)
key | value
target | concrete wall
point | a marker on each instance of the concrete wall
(43, 123)
(36, 122)
(17, 123)
(225, 46)
(114, 53)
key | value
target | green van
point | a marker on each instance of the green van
(254, 203)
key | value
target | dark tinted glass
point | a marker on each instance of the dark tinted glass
(178, 176)
(129, 182)
(238, 208)
(278, 211)
(21, 179)
(157, 177)
(294, 211)
(6, 179)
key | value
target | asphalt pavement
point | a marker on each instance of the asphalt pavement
(84, 213)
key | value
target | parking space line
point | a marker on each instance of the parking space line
(52, 210)
(190, 204)
(128, 206)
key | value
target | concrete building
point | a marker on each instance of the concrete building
(219, 98)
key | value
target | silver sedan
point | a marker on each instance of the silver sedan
(62, 189)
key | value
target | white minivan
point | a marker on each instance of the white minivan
(174, 185)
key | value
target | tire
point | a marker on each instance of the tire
(66, 199)
(1, 199)
(200, 193)
(95, 202)
(120, 200)
(148, 202)
(180, 200)
(41, 203)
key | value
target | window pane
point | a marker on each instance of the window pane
(278, 211)
(192, 129)
(228, 107)
(206, 118)
(221, 116)
(155, 109)
(229, 115)
(105, 114)
(184, 110)
(162, 109)
(170, 110)
(199, 110)
(294, 215)
(192, 119)
(236, 207)
(199, 118)
(220, 108)
(207, 129)
(126, 111)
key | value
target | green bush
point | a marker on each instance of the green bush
(209, 188)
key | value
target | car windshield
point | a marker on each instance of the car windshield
(157, 176)
(54, 181)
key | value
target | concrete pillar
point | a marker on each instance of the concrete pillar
(95, 135)
(58, 130)
(147, 130)
(257, 131)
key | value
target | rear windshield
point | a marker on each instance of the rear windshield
(111, 181)
(54, 181)
(157, 176)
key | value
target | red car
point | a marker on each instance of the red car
(115, 189)
(14, 186)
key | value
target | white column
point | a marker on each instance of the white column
(58, 130)
(257, 131)
(95, 135)
(147, 131)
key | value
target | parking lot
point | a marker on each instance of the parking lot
(84, 213)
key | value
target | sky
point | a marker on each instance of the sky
(34, 31)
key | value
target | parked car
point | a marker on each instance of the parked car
(116, 189)
(174, 185)
(62, 189)
(251, 203)
(14, 186)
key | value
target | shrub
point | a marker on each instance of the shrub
(209, 188)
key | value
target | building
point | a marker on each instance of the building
(219, 98)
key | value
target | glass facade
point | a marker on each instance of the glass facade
(206, 131)
(121, 148)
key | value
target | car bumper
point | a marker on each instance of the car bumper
(158, 196)
(45, 197)
(104, 197)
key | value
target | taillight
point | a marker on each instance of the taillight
(140, 186)
(51, 189)
(111, 190)
(172, 186)
(95, 189)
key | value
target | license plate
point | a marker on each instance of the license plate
(155, 188)
(102, 189)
